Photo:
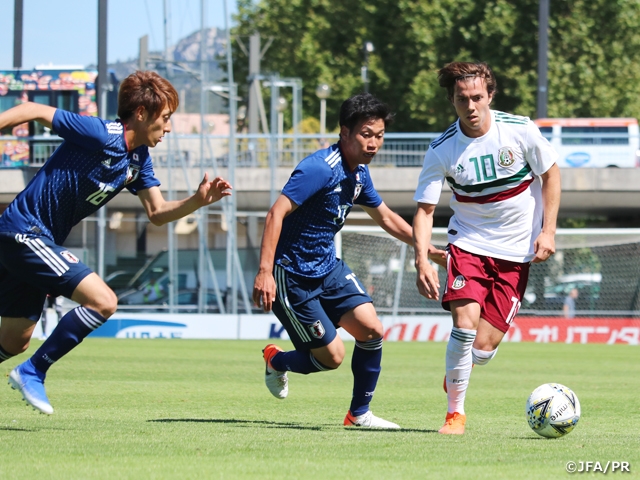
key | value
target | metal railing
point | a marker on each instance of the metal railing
(257, 151)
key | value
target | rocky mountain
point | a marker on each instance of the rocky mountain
(184, 68)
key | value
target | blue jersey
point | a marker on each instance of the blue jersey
(87, 170)
(325, 190)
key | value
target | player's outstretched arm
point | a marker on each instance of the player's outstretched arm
(545, 245)
(161, 211)
(395, 226)
(391, 222)
(264, 285)
(427, 277)
(27, 112)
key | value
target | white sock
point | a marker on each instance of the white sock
(482, 357)
(458, 365)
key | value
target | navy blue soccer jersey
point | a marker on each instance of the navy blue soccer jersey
(87, 170)
(324, 189)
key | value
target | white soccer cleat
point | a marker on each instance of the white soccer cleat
(277, 382)
(368, 420)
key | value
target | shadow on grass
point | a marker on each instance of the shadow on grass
(16, 429)
(269, 424)
(397, 430)
(533, 438)
(243, 423)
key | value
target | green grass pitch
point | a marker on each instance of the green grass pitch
(188, 409)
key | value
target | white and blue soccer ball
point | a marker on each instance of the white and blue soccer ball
(552, 410)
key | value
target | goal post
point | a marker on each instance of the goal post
(603, 265)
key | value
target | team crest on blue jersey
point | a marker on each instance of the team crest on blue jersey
(133, 172)
(458, 283)
(357, 191)
(317, 329)
(506, 157)
(69, 257)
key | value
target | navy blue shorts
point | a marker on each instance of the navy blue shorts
(310, 308)
(32, 267)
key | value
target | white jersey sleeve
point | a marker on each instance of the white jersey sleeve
(540, 155)
(431, 179)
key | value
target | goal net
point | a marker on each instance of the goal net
(603, 265)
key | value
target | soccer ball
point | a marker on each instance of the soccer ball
(552, 410)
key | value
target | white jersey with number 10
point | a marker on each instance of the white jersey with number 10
(497, 197)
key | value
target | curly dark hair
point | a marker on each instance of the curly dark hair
(456, 71)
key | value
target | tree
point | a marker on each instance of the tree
(594, 64)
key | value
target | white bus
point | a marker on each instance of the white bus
(593, 142)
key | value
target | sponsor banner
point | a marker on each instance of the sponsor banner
(164, 325)
(523, 329)
(434, 328)
(195, 326)
(576, 330)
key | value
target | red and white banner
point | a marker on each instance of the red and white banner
(575, 330)
(427, 328)
(523, 329)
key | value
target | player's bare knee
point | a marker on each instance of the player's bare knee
(106, 303)
(333, 361)
(14, 346)
(371, 333)
(482, 357)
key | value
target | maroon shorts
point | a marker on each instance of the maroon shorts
(497, 285)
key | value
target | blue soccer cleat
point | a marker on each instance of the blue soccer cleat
(30, 382)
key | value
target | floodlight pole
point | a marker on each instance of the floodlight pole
(18, 18)
(232, 246)
(543, 58)
(103, 87)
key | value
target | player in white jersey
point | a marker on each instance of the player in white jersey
(506, 195)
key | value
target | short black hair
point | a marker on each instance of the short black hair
(363, 107)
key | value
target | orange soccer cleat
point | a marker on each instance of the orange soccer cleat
(454, 424)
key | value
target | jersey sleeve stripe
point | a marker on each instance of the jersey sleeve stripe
(496, 197)
(334, 159)
(115, 128)
(450, 132)
(526, 170)
(503, 117)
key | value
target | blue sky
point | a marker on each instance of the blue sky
(65, 32)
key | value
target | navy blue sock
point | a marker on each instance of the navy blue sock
(70, 331)
(4, 355)
(297, 361)
(365, 365)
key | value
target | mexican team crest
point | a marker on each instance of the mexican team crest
(506, 157)
(458, 283)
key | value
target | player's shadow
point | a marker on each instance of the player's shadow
(390, 430)
(16, 429)
(241, 423)
(270, 424)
